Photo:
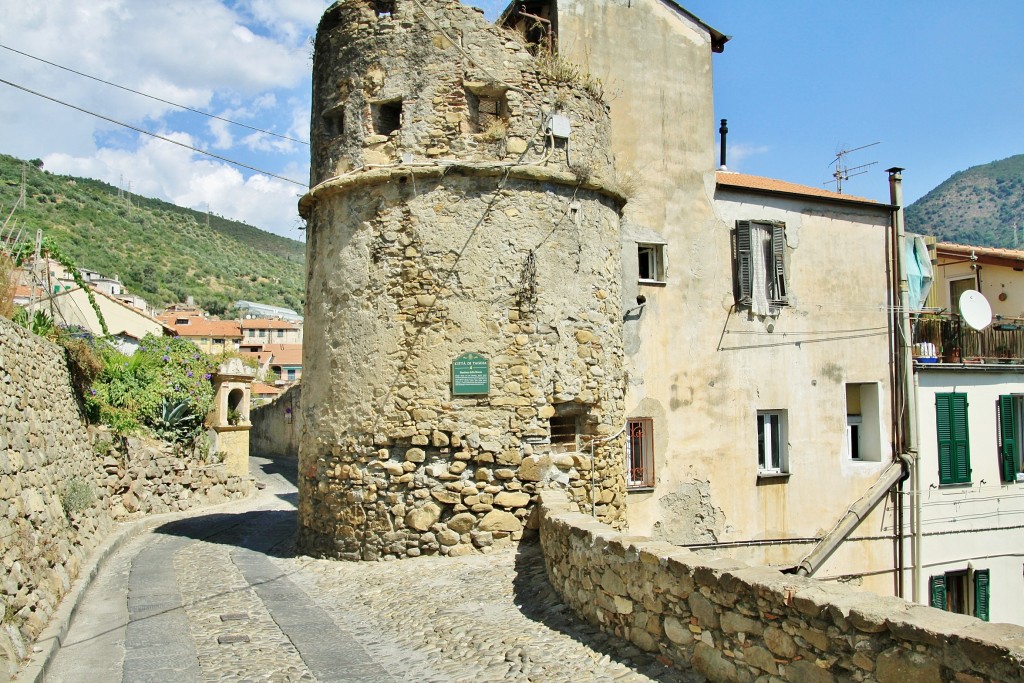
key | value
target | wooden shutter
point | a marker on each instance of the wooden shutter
(961, 439)
(780, 293)
(744, 259)
(944, 429)
(981, 583)
(1007, 438)
(937, 591)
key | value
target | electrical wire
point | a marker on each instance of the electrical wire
(152, 134)
(154, 97)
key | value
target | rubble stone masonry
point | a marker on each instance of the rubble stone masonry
(739, 624)
(64, 487)
(454, 233)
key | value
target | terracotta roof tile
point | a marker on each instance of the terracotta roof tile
(200, 327)
(753, 182)
(966, 250)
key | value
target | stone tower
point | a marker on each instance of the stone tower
(463, 343)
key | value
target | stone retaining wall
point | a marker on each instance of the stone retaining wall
(64, 487)
(276, 426)
(742, 624)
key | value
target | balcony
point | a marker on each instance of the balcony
(956, 342)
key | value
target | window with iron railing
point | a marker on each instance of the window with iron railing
(640, 453)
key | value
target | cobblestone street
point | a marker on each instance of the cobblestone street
(220, 597)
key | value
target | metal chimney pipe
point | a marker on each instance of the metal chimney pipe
(723, 131)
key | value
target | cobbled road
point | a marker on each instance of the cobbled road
(220, 596)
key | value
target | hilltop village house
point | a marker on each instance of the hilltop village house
(517, 286)
(970, 397)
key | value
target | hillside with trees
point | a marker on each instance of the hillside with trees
(979, 206)
(160, 251)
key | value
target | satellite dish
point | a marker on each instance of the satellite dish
(975, 309)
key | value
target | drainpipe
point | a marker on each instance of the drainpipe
(852, 519)
(909, 416)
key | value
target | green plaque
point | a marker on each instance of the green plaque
(471, 374)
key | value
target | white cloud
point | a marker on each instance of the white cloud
(246, 61)
(738, 153)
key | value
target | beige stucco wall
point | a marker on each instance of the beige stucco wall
(75, 309)
(685, 370)
(978, 523)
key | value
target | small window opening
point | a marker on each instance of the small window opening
(384, 8)
(334, 122)
(387, 117)
(651, 262)
(563, 433)
(486, 111)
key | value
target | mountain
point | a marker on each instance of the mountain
(160, 251)
(979, 206)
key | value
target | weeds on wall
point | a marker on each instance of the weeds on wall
(77, 496)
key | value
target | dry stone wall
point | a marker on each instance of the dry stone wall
(64, 487)
(440, 239)
(739, 624)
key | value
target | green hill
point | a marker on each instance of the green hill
(160, 251)
(979, 206)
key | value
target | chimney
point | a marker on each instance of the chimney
(723, 131)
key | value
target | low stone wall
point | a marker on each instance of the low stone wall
(741, 624)
(277, 426)
(64, 487)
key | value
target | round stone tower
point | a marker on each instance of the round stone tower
(463, 344)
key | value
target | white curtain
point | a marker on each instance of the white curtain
(760, 267)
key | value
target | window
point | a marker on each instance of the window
(640, 452)
(280, 334)
(863, 421)
(563, 433)
(953, 438)
(218, 341)
(387, 116)
(486, 110)
(334, 121)
(771, 442)
(384, 8)
(263, 333)
(963, 592)
(958, 287)
(761, 266)
(291, 374)
(651, 260)
(1009, 421)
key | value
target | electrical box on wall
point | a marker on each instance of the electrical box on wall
(559, 126)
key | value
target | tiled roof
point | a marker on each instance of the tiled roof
(965, 250)
(201, 327)
(284, 354)
(261, 389)
(752, 182)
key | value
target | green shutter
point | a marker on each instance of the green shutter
(953, 438)
(981, 582)
(943, 427)
(1007, 438)
(743, 261)
(780, 293)
(961, 440)
(937, 591)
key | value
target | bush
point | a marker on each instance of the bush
(77, 496)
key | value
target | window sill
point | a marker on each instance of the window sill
(653, 283)
(773, 477)
(957, 485)
(639, 489)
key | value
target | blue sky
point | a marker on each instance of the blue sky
(939, 84)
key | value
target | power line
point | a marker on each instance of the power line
(155, 135)
(154, 97)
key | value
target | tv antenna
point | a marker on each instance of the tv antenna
(843, 172)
